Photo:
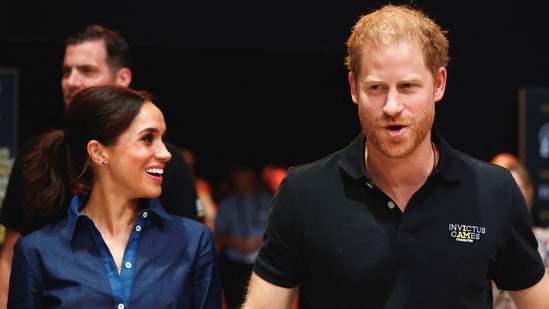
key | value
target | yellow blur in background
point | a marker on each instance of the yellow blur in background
(6, 163)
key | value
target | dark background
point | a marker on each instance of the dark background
(263, 82)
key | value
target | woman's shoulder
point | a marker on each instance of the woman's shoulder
(45, 236)
(188, 224)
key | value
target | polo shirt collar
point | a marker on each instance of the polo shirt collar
(448, 164)
(352, 162)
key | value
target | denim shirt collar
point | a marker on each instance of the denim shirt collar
(78, 201)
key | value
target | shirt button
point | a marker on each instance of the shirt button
(145, 214)
(128, 265)
(391, 204)
(120, 306)
(138, 227)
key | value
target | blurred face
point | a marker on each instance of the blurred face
(396, 95)
(85, 65)
(273, 176)
(245, 180)
(138, 158)
(519, 182)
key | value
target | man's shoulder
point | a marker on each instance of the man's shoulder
(467, 162)
(177, 167)
(178, 189)
(311, 168)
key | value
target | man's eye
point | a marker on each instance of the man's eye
(408, 85)
(65, 71)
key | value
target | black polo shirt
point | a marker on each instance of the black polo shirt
(348, 245)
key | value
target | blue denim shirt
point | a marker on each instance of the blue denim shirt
(169, 262)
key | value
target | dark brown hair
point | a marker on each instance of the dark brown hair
(118, 50)
(58, 167)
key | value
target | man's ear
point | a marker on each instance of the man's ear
(440, 83)
(352, 86)
(124, 77)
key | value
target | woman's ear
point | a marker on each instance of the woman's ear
(96, 152)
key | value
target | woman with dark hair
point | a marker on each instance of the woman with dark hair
(109, 159)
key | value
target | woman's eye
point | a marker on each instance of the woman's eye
(148, 138)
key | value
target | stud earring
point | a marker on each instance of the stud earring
(103, 163)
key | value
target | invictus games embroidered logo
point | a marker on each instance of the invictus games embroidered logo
(466, 233)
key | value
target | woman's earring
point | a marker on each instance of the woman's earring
(103, 163)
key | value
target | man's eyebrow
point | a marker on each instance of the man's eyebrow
(85, 66)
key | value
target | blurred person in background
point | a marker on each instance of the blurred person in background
(272, 175)
(502, 298)
(239, 226)
(203, 189)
